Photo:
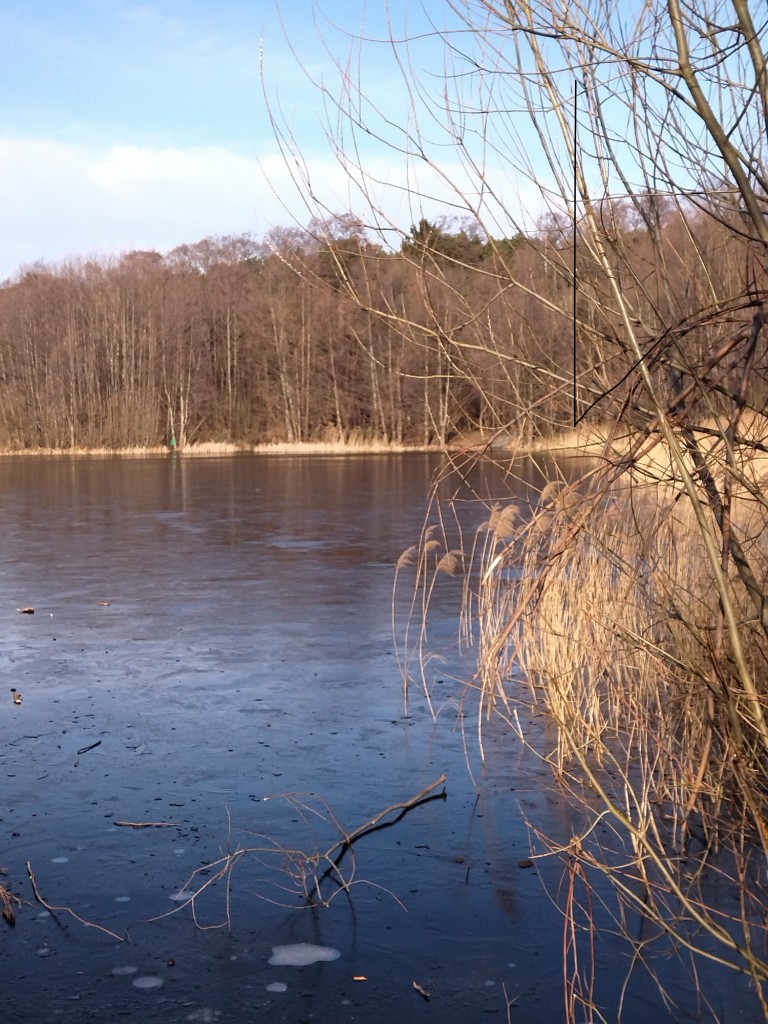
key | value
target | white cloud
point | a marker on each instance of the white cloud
(64, 200)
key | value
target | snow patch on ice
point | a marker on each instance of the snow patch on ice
(301, 953)
(147, 982)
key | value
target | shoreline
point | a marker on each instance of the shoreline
(212, 449)
(584, 442)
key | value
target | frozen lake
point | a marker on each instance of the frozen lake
(211, 651)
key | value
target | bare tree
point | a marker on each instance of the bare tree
(637, 298)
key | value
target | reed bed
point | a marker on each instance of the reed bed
(343, 447)
(629, 605)
(350, 444)
(199, 448)
(611, 610)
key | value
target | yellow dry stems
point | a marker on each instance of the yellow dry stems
(626, 603)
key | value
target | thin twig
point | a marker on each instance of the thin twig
(374, 822)
(146, 824)
(91, 746)
(335, 854)
(68, 910)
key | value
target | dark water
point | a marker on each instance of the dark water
(221, 628)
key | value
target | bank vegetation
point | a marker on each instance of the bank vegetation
(325, 334)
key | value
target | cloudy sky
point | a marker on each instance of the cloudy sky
(131, 124)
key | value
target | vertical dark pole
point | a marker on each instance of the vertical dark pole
(575, 194)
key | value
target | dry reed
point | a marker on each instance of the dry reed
(350, 443)
(603, 604)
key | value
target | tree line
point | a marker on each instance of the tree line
(324, 333)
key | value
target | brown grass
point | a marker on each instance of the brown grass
(353, 444)
(204, 448)
(624, 610)
(361, 447)
(619, 627)
(8, 902)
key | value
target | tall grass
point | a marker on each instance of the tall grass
(330, 443)
(601, 604)
(200, 448)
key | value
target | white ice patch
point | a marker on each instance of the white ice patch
(122, 899)
(148, 981)
(277, 986)
(300, 954)
(59, 860)
(124, 969)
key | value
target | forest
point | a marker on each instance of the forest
(324, 334)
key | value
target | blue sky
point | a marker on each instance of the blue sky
(142, 123)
